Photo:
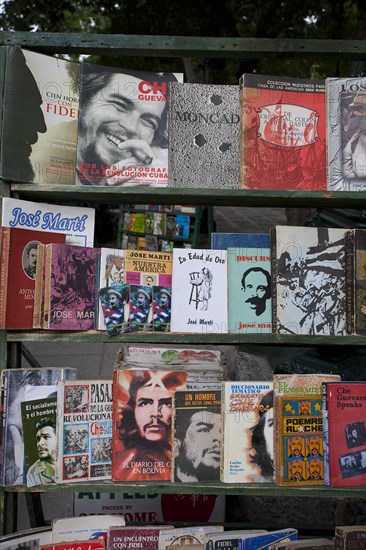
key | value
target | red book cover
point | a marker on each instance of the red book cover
(69, 287)
(142, 416)
(282, 133)
(345, 433)
(95, 544)
(18, 274)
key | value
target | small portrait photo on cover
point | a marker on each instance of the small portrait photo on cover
(355, 434)
(29, 259)
(353, 464)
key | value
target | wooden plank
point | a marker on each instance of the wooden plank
(296, 340)
(263, 489)
(170, 195)
(185, 46)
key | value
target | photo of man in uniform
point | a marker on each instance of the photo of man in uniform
(43, 470)
(256, 285)
(197, 445)
(142, 448)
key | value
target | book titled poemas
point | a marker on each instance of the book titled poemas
(40, 117)
(122, 132)
(282, 133)
(199, 291)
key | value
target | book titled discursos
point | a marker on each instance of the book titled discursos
(204, 136)
(282, 133)
(112, 149)
(40, 117)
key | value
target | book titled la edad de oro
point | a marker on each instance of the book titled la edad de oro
(204, 136)
(69, 287)
(309, 280)
(196, 434)
(247, 432)
(14, 384)
(282, 133)
(113, 149)
(142, 417)
(249, 290)
(40, 117)
(346, 166)
(18, 264)
(344, 417)
(356, 281)
(199, 291)
(84, 430)
(298, 428)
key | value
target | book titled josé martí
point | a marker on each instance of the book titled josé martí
(282, 133)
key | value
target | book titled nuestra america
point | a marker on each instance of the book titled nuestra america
(40, 117)
(116, 150)
(282, 133)
(346, 166)
(18, 264)
(344, 417)
(204, 136)
(298, 428)
(199, 291)
(84, 430)
(309, 280)
(249, 290)
(247, 432)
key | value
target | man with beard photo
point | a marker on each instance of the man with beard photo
(197, 437)
(43, 470)
(122, 133)
(142, 441)
(256, 285)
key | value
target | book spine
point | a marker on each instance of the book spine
(47, 286)
(325, 433)
(59, 432)
(273, 248)
(4, 391)
(224, 438)
(4, 267)
(241, 134)
(38, 287)
(350, 281)
(359, 281)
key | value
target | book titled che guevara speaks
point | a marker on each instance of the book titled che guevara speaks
(122, 131)
(40, 116)
(282, 133)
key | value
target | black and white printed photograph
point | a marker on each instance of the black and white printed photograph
(355, 434)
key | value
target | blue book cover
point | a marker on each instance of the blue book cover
(249, 290)
(267, 540)
(222, 241)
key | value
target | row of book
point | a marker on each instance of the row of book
(177, 419)
(111, 533)
(267, 132)
(157, 223)
(295, 280)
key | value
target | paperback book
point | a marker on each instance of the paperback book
(282, 133)
(140, 308)
(249, 290)
(247, 432)
(356, 281)
(148, 268)
(39, 120)
(309, 280)
(199, 295)
(84, 430)
(187, 537)
(69, 287)
(114, 306)
(114, 151)
(136, 536)
(229, 539)
(204, 136)
(95, 544)
(111, 271)
(18, 264)
(345, 134)
(298, 428)
(14, 383)
(85, 527)
(350, 536)
(196, 434)
(141, 444)
(344, 418)
(266, 541)
(222, 241)
(161, 308)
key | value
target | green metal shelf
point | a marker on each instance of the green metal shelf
(264, 489)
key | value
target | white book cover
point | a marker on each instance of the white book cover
(199, 291)
(84, 528)
(76, 222)
(84, 430)
(184, 536)
(111, 271)
(246, 432)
